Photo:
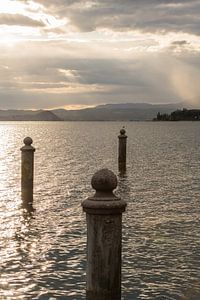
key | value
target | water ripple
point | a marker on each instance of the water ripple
(43, 253)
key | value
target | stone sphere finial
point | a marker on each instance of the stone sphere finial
(104, 180)
(123, 131)
(28, 141)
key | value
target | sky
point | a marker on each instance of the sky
(76, 54)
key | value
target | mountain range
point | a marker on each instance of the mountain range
(107, 112)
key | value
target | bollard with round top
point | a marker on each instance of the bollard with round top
(27, 170)
(122, 151)
(104, 238)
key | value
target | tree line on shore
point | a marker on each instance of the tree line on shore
(179, 115)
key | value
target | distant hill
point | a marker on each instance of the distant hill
(46, 115)
(28, 115)
(107, 112)
(117, 112)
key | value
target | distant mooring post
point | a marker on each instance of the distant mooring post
(122, 151)
(27, 170)
(104, 238)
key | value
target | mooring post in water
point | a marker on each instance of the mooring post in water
(104, 238)
(122, 151)
(27, 170)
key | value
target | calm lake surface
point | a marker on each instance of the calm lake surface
(43, 256)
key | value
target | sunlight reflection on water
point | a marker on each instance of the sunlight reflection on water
(43, 254)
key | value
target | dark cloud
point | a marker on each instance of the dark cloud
(20, 20)
(180, 43)
(122, 15)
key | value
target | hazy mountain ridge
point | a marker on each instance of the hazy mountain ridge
(107, 112)
(28, 115)
(117, 112)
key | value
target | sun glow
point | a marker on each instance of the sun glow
(187, 89)
(67, 88)
(12, 7)
(77, 106)
(27, 21)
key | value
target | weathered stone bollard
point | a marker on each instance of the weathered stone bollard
(27, 170)
(104, 238)
(122, 151)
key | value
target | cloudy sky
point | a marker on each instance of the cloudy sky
(73, 54)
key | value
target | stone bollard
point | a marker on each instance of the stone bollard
(104, 238)
(122, 151)
(27, 168)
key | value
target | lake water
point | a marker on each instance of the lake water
(44, 256)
